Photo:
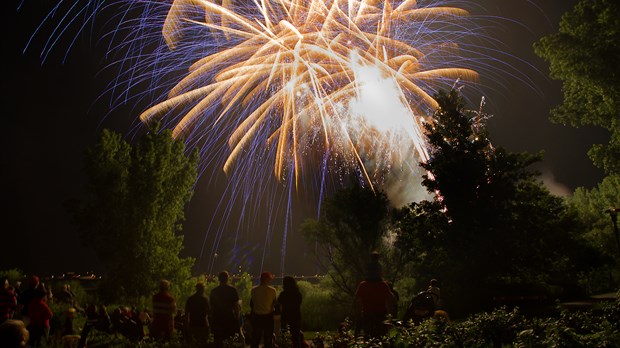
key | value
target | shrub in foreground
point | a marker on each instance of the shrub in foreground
(499, 328)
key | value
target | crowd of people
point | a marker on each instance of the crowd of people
(26, 319)
(24, 312)
(220, 313)
(25, 315)
(375, 300)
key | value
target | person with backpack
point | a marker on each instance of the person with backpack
(422, 307)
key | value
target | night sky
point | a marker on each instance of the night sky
(52, 114)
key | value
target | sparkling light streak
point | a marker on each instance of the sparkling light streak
(298, 67)
(307, 92)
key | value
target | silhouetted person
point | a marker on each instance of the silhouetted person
(289, 301)
(39, 314)
(164, 309)
(67, 326)
(422, 307)
(433, 288)
(92, 320)
(28, 295)
(117, 320)
(8, 301)
(226, 309)
(263, 305)
(373, 301)
(68, 332)
(64, 295)
(135, 325)
(196, 311)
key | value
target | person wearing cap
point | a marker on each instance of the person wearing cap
(262, 303)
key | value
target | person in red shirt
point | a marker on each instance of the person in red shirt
(164, 309)
(40, 314)
(373, 300)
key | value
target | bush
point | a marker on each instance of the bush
(319, 310)
(407, 288)
(499, 328)
(243, 283)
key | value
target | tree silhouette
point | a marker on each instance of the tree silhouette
(353, 223)
(492, 222)
(135, 209)
(584, 55)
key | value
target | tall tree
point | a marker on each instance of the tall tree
(584, 55)
(491, 222)
(135, 209)
(593, 206)
(353, 224)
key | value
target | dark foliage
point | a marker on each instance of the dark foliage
(492, 223)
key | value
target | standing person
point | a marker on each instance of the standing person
(373, 301)
(263, 302)
(8, 301)
(226, 310)
(433, 288)
(39, 314)
(64, 295)
(289, 301)
(164, 308)
(27, 296)
(67, 327)
(196, 311)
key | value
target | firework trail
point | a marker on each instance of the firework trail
(303, 91)
(299, 68)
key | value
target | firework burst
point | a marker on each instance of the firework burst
(318, 75)
(304, 91)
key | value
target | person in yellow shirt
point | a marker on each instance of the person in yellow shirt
(262, 303)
